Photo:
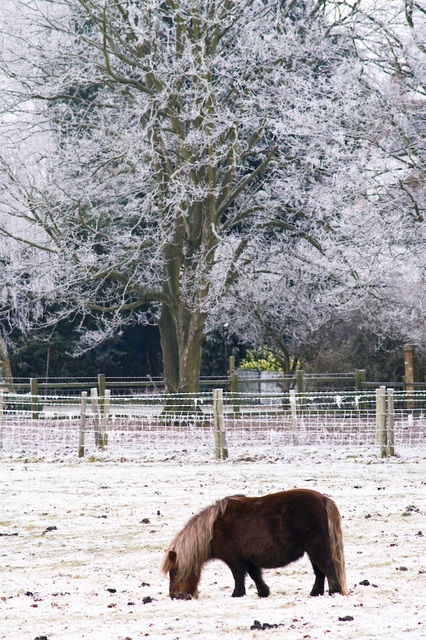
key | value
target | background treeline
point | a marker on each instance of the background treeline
(136, 352)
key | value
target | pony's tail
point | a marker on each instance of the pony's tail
(336, 543)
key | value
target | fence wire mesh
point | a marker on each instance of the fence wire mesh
(147, 425)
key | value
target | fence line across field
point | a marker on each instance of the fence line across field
(217, 424)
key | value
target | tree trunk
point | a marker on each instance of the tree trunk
(181, 324)
(181, 337)
(169, 349)
(181, 343)
(5, 368)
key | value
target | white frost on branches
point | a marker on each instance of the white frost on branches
(182, 160)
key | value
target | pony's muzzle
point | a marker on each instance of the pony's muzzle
(181, 596)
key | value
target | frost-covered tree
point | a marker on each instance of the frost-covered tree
(390, 38)
(381, 236)
(156, 147)
(277, 303)
(284, 299)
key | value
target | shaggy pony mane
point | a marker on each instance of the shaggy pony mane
(192, 544)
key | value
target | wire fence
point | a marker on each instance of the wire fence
(165, 425)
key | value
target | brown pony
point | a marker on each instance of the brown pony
(249, 534)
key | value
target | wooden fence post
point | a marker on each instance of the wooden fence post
(231, 365)
(381, 420)
(234, 394)
(34, 397)
(100, 408)
(221, 445)
(300, 387)
(359, 382)
(390, 422)
(359, 379)
(293, 411)
(95, 411)
(410, 374)
(1, 418)
(82, 424)
(104, 417)
(300, 381)
(101, 391)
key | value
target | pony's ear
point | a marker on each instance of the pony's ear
(169, 562)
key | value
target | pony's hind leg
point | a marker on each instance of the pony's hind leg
(256, 574)
(318, 588)
(323, 567)
(334, 585)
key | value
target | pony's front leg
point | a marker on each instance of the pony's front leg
(240, 579)
(255, 574)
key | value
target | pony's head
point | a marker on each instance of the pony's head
(190, 549)
(183, 586)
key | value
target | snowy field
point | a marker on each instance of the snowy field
(81, 543)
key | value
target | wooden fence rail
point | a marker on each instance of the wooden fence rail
(234, 382)
(92, 422)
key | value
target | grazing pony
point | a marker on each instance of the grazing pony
(249, 534)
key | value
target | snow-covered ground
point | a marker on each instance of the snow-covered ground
(82, 541)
